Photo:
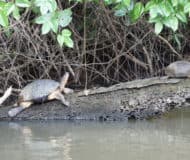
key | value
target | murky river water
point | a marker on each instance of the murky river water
(167, 138)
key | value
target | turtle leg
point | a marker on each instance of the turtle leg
(67, 90)
(58, 95)
(22, 105)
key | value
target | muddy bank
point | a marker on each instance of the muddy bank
(139, 99)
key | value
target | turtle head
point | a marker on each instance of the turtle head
(169, 71)
(13, 112)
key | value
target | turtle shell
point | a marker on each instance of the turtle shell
(178, 69)
(38, 90)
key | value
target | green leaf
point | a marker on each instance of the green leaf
(49, 19)
(187, 8)
(137, 11)
(158, 27)
(149, 5)
(174, 2)
(183, 2)
(3, 19)
(60, 39)
(66, 33)
(116, 1)
(43, 19)
(64, 17)
(181, 16)
(9, 8)
(46, 6)
(65, 38)
(171, 22)
(2, 5)
(23, 3)
(45, 28)
(127, 2)
(54, 24)
(16, 13)
(153, 12)
(164, 10)
(69, 42)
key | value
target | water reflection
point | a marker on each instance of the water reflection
(165, 138)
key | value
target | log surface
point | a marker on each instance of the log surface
(139, 99)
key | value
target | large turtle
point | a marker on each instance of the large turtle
(178, 69)
(40, 91)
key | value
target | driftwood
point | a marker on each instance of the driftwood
(137, 99)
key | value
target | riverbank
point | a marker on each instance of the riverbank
(139, 99)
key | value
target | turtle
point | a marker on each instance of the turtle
(178, 69)
(40, 91)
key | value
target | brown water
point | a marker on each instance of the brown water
(167, 138)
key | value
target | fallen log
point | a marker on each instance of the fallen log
(139, 99)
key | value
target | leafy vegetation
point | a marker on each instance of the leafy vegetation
(48, 15)
(163, 13)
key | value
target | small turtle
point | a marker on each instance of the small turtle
(40, 91)
(178, 69)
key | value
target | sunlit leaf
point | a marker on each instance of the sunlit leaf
(2, 5)
(126, 2)
(66, 33)
(163, 10)
(54, 24)
(149, 5)
(158, 27)
(16, 13)
(23, 3)
(187, 7)
(43, 19)
(46, 6)
(171, 22)
(153, 12)
(65, 38)
(49, 19)
(137, 11)
(9, 8)
(69, 42)
(3, 19)
(174, 2)
(64, 17)
(45, 28)
(181, 16)
(60, 39)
